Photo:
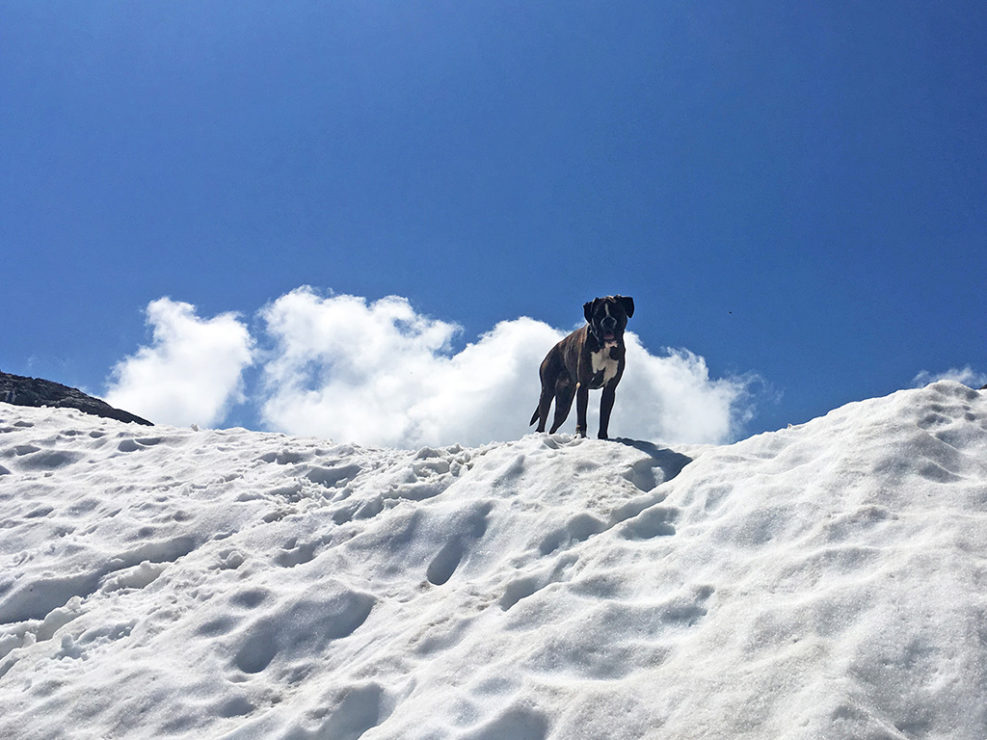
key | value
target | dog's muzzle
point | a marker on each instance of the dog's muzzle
(607, 333)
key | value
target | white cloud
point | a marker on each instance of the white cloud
(379, 373)
(673, 399)
(192, 371)
(965, 375)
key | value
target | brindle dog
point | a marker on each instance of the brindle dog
(589, 358)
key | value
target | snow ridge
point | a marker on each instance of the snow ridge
(826, 580)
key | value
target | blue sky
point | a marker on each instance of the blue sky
(796, 192)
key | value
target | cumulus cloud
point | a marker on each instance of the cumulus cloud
(380, 373)
(192, 371)
(671, 397)
(965, 375)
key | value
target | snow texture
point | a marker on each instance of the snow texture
(823, 581)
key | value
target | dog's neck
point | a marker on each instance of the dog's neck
(596, 344)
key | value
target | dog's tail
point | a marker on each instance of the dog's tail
(534, 417)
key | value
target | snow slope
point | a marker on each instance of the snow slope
(823, 581)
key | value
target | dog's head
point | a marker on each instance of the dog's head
(607, 318)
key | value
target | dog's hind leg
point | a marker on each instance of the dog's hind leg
(548, 373)
(541, 413)
(563, 402)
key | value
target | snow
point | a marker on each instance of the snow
(826, 580)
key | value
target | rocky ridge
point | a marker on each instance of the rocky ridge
(23, 391)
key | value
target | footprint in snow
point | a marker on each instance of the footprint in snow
(578, 529)
(284, 457)
(302, 629)
(471, 528)
(292, 554)
(30, 458)
(650, 523)
(357, 709)
(37, 598)
(525, 586)
(659, 467)
(332, 476)
(444, 564)
(517, 723)
(250, 598)
(236, 706)
(365, 509)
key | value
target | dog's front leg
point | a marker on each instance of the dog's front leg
(606, 406)
(582, 402)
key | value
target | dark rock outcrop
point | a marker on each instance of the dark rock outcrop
(21, 391)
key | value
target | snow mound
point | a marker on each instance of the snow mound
(826, 580)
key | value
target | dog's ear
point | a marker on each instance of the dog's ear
(627, 303)
(588, 310)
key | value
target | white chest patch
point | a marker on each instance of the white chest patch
(602, 361)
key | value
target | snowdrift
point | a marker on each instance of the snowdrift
(822, 581)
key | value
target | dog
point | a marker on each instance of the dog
(591, 357)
